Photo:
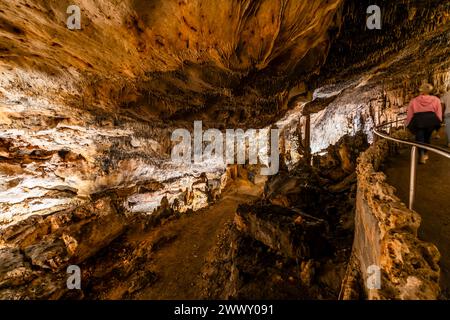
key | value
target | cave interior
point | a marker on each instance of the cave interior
(87, 117)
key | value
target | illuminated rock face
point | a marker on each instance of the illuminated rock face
(89, 110)
(168, 59)
(86, 115)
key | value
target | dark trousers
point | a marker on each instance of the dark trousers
(424, 136)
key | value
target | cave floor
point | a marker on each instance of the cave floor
(432, 200)
(188, 240)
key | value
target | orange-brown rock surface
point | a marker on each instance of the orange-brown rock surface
(86, 117)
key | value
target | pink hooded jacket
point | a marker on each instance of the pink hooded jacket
(424, 103)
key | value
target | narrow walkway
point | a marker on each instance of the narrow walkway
(432, 201)
(179, 261)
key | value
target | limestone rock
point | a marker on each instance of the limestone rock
(275, 227)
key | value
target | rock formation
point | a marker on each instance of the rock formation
(86, 118)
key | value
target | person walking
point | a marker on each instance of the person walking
(424, 116)
(445, 99)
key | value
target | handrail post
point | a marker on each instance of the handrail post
(414, 152)
(412, 179)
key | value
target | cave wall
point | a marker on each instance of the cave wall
(386, 237)
(365, 83)
(85, 115)
(370, 76)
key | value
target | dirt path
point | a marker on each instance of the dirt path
(179, 260)
(432, 201)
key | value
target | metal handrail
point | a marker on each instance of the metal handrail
(415, 146)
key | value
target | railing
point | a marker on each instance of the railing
(414, 149)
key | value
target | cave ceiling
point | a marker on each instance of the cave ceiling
(220, 61)
(229, 63)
